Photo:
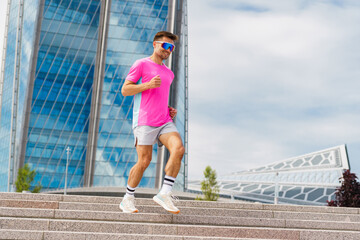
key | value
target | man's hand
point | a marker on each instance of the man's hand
(155, 82)
(172, 112)
(130, 88)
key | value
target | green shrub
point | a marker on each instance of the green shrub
(24, 179)
(209, 186)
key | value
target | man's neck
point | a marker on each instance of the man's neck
(156, 59)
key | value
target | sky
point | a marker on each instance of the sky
(269, 80)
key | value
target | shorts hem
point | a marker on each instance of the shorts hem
(147, 139)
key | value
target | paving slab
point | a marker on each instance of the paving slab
(113, 216)
(88, 206)
(319, 209)
(20, 235)
(27, 212)
(112, 227)
(211, 211)
(226, 205)
(103, 236)
(107, 236)
(49, 235)
(29, 204)
(229, 221)
(238, 232)
(31, 196)
(312, 224)
(91, 199)
(317, 216)
(329, 235)
(157, 209)
(24, 223)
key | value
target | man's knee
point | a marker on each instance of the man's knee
(178, 151)
(143, 163)
(144, 160)
(144, 156)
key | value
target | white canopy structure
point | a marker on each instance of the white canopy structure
(310, 179)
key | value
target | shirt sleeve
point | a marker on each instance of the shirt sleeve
(135, 72)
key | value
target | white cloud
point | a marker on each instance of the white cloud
(228, 149)
(279, 79)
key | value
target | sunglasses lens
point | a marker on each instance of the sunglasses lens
(167, 46)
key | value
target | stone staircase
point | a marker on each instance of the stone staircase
(50, 216)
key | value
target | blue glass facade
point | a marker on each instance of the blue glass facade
(6, 96)
(19, 43)
(61, 98)
(71, 51)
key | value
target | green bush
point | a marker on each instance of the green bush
(209, 186)
(24, 179)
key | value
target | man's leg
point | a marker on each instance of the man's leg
(144, 158)
(172, 141)
(144, 153)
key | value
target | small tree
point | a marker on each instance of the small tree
(25, 178)
(209, 185)
(348, 194)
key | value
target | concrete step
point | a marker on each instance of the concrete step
(155, 230)
(46, 216)
(152, 208)
(157, 209)
(219, 212)
(177, 219)
(143, 228)
(53, 199)
(55, 235)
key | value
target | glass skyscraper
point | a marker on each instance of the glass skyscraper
(63, 68)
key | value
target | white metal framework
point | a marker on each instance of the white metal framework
(309, 179)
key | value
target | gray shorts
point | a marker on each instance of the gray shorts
(147, 135)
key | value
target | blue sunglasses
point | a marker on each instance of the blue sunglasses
(166, 45)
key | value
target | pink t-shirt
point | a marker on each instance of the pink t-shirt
(151, 106)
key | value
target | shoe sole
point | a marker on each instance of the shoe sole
(161, 203)
(125, 211)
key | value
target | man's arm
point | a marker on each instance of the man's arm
(130, 88)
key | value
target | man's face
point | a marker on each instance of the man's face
(159, 50)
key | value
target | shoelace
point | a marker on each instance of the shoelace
(175, 198)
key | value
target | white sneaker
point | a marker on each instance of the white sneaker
(166, 201)
(127, 205)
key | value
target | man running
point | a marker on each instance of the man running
(149, 80)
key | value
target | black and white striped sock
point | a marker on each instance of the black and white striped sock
(168, 184)
(130, 191)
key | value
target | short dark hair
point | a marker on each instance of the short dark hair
(162, 34)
